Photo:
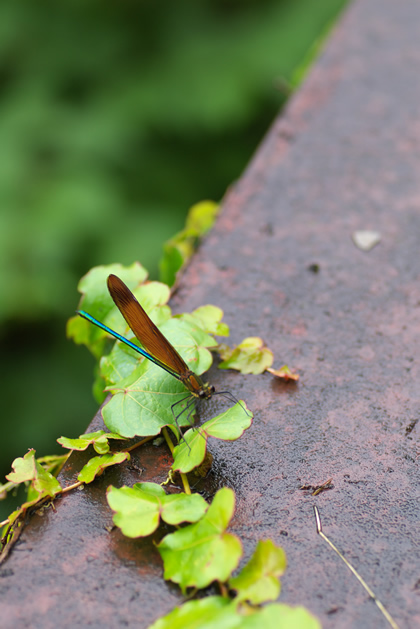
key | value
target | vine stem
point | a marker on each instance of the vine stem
(223, 589)
(70, 487)
(139, 443)
(171, 448)
(168, 439)
(185, 483)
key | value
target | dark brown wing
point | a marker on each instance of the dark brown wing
(145, 330)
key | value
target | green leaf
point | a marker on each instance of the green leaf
(93, 286)
(218, 612)
(139, 509)
(191, 451)
(191, 342)
(207, 612)
(251, 356)
(26, 469)
(96, 465)
(45, 484)
(98, 385)
(280, 616)
(258, 581)
(189, 339)
(230, 425)
(183, 508)
(171, 263)
(119, 363)
(180, 248)
(209, 318)
(98, 439)
(154, 295)
(97, 302)
(203, 552)
(201, 217)
(50, 463)
(141, 404)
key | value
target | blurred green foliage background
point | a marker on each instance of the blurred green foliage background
(115, 118)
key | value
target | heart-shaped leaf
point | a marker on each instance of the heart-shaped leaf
(139, 508)
(97, 301)
(221, 612)
(209, 319)
(203, 552)
(178, 249)
(211, 611)
(27, 468)
(258, 581)
(96, 465)
(280, 616)
(251, 356)
(119, 364)
(141, 404)
(230, 425)
(98, 439)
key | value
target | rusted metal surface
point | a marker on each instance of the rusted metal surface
(281, 263)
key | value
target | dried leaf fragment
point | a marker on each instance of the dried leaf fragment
(284, 373)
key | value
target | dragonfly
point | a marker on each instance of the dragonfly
(155, 347)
